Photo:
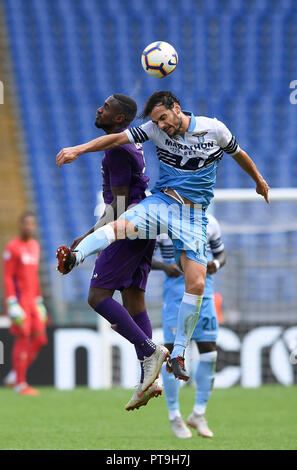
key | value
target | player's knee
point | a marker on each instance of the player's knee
(95, 297)
(134, 300)
(136, 307)
(195, 286)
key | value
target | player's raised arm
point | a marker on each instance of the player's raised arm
(70, 154)
(247, 164)
(229, 145)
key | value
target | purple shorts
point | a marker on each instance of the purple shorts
(123, 264)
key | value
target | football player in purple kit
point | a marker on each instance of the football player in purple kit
(125, 264)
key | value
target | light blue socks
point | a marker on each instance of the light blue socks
(187, 318)
(95, 242)
(204, 378)
(171, 389)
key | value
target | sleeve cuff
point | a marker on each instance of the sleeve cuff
(217, 263)
(129, 135)
(235, 152)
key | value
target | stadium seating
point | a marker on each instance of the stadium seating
(237, 59)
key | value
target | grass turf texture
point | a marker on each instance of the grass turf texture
(263, 418)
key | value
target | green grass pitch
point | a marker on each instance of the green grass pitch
(263, 418)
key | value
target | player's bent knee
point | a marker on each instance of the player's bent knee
(196, 287)
(93, 299)
(96, 296)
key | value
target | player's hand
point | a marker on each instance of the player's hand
(263, 188)
(41, 309)
(172, 270)
(211, 267)
(67, 155)
(15, 311)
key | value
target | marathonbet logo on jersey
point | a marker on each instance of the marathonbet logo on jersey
(176, 147)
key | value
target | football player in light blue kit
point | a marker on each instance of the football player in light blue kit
(205, 332)
(189, 149)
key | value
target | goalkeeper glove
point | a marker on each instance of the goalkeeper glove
(41, 309)
(15, 311)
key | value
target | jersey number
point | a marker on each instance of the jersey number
(209, 324)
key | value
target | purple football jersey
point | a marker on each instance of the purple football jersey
(124, 166)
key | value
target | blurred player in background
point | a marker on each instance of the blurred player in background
(24, 303)
(125, 265)
(189, 149)
(205, 332)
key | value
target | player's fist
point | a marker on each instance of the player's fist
(212, 267)
(67, 155)
(41, 309)
(15, 311)
(263, 188)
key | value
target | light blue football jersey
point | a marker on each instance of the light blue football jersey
(188, 162)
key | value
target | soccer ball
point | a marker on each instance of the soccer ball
(159, 59)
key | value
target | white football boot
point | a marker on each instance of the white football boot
(200, 424)
(141, 399)
(179, 428)
(10, 379)
(152, 366)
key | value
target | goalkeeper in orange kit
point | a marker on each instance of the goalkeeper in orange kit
(24, 303)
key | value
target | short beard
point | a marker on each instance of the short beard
(178, 129)
(105, 127)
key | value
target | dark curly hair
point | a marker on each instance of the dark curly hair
(159, 97)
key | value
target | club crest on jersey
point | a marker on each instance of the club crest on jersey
(200, 136)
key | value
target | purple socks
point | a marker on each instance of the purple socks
(137, 330)
(143, 321)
